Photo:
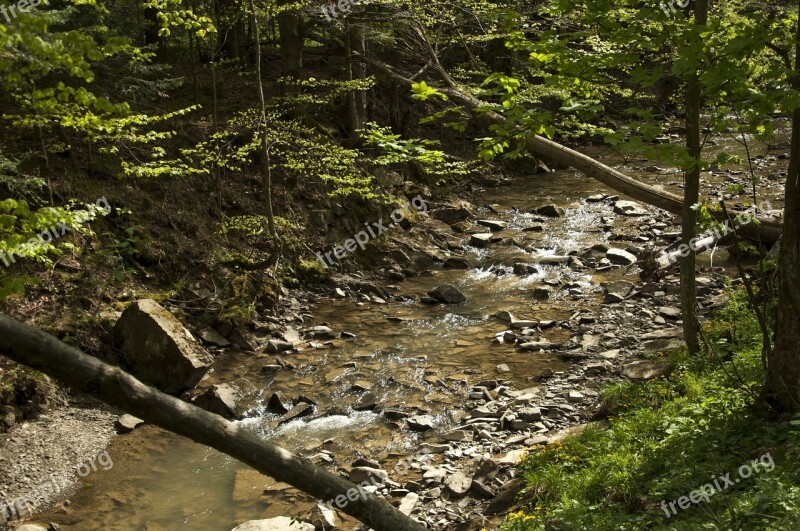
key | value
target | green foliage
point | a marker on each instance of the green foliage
(394, 150)
(666, 438)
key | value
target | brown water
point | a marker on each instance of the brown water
(424, 361)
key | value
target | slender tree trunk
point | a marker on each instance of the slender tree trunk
(353, 119)
(267, 175)
(290, 26)
(358, 42)
(691, 193)
(783, 371)
(43, 352)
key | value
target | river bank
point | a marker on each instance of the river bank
(550, 317)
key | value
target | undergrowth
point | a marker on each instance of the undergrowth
(668, 437)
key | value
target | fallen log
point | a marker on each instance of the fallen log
(766, 231)
(43, 352)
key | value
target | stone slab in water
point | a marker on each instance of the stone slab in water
(280, 523)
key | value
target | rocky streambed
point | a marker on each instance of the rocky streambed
(379, 377)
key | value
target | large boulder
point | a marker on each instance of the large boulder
(158, 349)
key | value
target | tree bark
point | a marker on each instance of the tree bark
(267, 186)
(783, 370)
(290, 28)
(45, 353)
(691, 191)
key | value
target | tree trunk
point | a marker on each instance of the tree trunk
(783, 371)
(290, 26)
(45, 353)
(267, 175)
(691, 193)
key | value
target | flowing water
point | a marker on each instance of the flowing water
(410, 355)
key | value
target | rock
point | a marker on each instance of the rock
(279, 523)
(482, 239)
(127, 423)
(420, 422)
(243, 339)
(300, 410)
(290, 335)
(456, 262)
(669, 311)
(219, 399)
(453, 215)
(629, 208)
(503, 368)
(159, 350)
(519, 324)
(521, 269)
(276, 346)
(492, 224)
(508, 495)
(408, 503)
(513, 457)
(553, 260)
(323, 518)
(609, 354)
(371, 475)
(212, 337)
(621, 287)
(620, 256)
(541, 294)
(363, 461)
(34, 526)
(534, 346)
(339, 293)
(530, 414)
(665, 333)
(365, 402)
(551, 211)
(278, 403)
(447, 293)
(485, 470)
(458, 436)
(434, 475)
(458, 483)
(395, 414)
(645, 369)
(323, 332)
(575, 396)
(612, 298)
(428, 448)
(595, 198)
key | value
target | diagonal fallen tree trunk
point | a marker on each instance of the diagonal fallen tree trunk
(766, 231)
(45, 353)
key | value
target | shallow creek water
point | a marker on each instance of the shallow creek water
(424, 357)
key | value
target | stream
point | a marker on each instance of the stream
(405, 355)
